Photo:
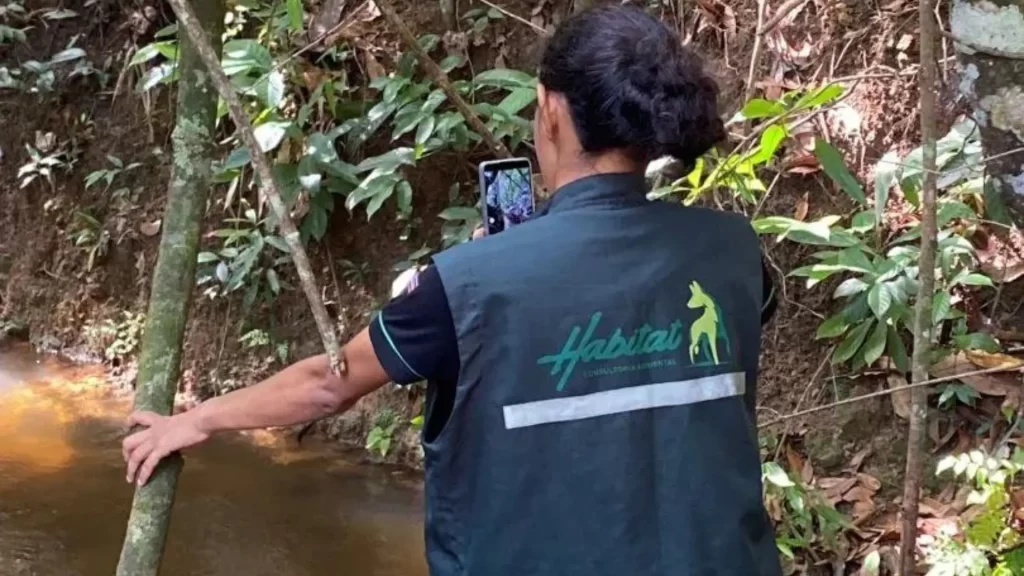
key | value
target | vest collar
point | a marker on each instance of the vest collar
(620, 190)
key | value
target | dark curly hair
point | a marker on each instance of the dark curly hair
(631, 85)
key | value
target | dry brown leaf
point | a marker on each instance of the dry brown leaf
(807, 473)
(932, 507)
(993, 360)
(835, 488)
(858, 494)
(802, 206)
(868, 481)
(373, 68)
(794, 460)
(150, 228)
(862, 509)
(901, 398)
(990, 384)
(858, 459)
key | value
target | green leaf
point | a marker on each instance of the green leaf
(875, 344)
(832, 327)
(244, 56)
(452, 62)
(897, 350)
(157, 75)
(278, 242)
(459, 213)
(388, 162)
(941, 306)
(68, 55)
(373, 187)
(273, 281)
(761, 108)
(425, 130)
(854, 259)
(880, 299)
(852, 343)
(850, 287)
(404, 190)
(771, 139)
(144, 54)
(863, 222)
(270, 134)
(976, 279)
(504, 78)
(775, 475)
(295, 15)
(207, 257)
(977, 341)
(821, 96)
(886, 172)
(517, 99)
(270, 89)
(872, 564)
(833, 165)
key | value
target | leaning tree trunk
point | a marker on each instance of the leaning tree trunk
(990, 47)
(170, 296)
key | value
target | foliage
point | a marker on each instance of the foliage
(379, 439)
(988, 545)
(119, 339)
(242, 260)
(737, 170)
(317, 124)
(109, 174)
(257, 338)
(880, 280)
(41, 77)
(44, 166)
(90, 237)
(808, 521)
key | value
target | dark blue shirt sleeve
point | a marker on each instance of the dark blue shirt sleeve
(414, 334)
(768, 289)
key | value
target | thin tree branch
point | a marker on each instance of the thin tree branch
(885, 392)
(307, 279)
(918, 426)
(438, 76)
(780, 14)
(755, 55)
(540, 31)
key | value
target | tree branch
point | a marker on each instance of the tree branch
(923, 309)
(438, 76)
(187, 19)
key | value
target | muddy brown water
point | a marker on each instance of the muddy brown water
(250, 505)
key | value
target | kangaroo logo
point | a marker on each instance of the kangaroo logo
(704, 332)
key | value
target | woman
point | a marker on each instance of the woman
(592, 371)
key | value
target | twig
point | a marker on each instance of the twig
(187, 19)
(780, 15)
(918, 426)
(755, 55)
(982, 49)
(886, 392)
(438, 76)
(538, 29)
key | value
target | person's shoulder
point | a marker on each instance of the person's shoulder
(711, 217)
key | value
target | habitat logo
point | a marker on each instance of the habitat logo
(583, 346)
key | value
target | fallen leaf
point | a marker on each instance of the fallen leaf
(993, 360)
(932, 507)
(858, 494)
(990, 384)
(150, 228)
(858, 459)
(870, 482)
(373, 68)
(801, 208)
(862, 509)
(835, 488)
(794, 460)
(900, 398)
(905, 41)
(807, 472)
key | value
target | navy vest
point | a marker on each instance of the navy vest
(603, 422)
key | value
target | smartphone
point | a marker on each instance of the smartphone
(507, 190)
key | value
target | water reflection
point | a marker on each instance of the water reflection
(244, 507)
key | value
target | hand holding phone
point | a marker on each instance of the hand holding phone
(507, 190)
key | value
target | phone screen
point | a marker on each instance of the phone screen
(508, 193)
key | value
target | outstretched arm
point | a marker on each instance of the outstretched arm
(304, 391)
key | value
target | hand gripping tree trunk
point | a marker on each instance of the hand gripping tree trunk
(990, 52)
(170, 295)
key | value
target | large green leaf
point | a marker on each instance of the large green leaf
(168, 49)
(459, 213)
(832, 327)
(852, 343)
(295, 15)
(760, 108)
(875, 344)
(886, 172)
(824, 95)
(389, 161)
(270, 89)
(833, 165)
(270, 134)
(771, 139)
(897, 350)
(245, 56)
(425, 130)
(517, 99)
(880, 299)
(850, 287)
(941, 307)
(375, 186)
(504, 78)
(854, 259)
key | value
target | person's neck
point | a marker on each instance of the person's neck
(591, 166)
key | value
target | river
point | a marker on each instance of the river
(253, 504)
